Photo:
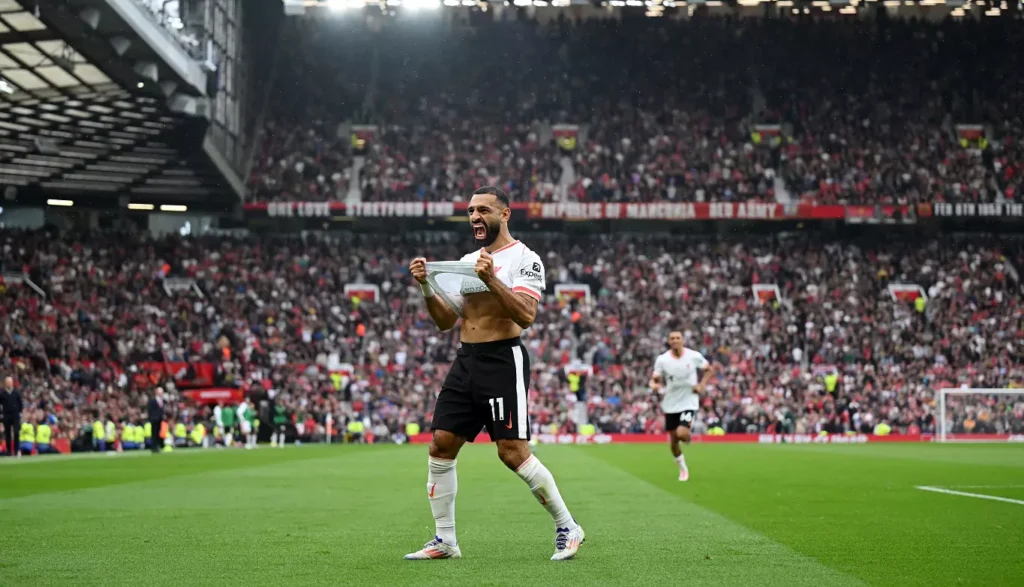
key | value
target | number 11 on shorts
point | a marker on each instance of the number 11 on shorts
(497, 408)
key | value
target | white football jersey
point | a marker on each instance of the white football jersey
(516, 266)
(679, 376)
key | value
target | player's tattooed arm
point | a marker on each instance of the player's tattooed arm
(441, 314)
(521, 307)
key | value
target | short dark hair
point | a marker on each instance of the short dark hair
(497, 192)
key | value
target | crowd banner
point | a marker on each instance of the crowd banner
(970, 210)
(654, 211)
(360, 209)
(559, 211)
(63, 445)
(681, 211)
(424, 438)
(215, 395)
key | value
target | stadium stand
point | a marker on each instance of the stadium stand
(768, 110)
(274, 313)
(819, 330)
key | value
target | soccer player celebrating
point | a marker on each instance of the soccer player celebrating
(486, 385)
(682, 373)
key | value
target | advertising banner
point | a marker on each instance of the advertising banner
(745, 438)
(228, 395)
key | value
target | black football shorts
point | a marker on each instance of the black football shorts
(684, 418)
(486, 388)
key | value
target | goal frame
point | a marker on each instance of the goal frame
(940, 428)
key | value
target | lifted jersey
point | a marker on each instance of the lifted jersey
(516, 266)
(679, 376)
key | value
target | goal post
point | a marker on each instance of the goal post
(980, 415)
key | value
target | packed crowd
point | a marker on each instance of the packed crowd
(835, 351)
(666, 108)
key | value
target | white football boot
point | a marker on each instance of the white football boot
(567, 543)
(435, 549)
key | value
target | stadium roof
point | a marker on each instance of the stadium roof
(652, 8)
(67, 129)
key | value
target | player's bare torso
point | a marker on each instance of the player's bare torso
(485, 319)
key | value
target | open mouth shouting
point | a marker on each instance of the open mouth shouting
(479, 231)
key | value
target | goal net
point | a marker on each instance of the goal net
(980, 415)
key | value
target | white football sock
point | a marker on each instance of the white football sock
(543, 487)
(442, 484)
(681, 460)
(252, 440)
(228, 440)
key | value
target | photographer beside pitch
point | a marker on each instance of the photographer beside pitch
(486, 385)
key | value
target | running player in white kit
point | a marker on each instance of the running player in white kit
(681, 374)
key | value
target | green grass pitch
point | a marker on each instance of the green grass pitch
(815, 515)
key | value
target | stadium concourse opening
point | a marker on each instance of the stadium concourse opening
(70, 133)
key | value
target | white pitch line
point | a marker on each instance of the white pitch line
(966, 494)
(987, 486)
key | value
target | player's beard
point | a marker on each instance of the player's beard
(492, 230)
